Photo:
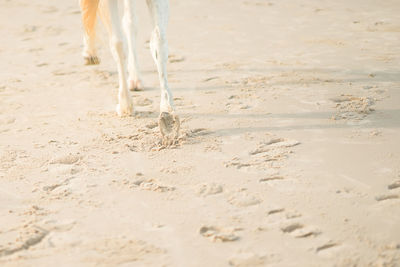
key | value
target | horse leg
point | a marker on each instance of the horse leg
(114, 26)
(168, 122)
(130, 22)
(89, 10)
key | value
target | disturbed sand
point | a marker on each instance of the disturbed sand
(289, 152)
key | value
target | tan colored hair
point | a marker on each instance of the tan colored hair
(89, 11)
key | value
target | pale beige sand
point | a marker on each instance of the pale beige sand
(290, 154)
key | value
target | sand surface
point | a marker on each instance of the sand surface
(289, 152)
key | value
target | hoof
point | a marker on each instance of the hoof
(124, 111)
(169, 127)
(136, 85)
(91, 60)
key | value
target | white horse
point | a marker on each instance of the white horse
(122, 31)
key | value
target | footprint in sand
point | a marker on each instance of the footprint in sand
(116, 251)
(146, 184)
(205, 190)
(210, 79)
(269, 153)
(298, 230)
(143, 101)
(28, 237)
(307, 231)
(57, 192)
(268, 145)
(247, 260)
(277, 215)
(177, 169)
(59, 226)
(275, 210)
(243, 199)
(387, 197)
(394, 185)
(326, 247)
(237, 163)
(350, 107)
(152, 185)
(62, 167)
(218, 234)
(271, 178)
(175, 59)
(67, 159)
(390, 196)
(49, 188)
(291, 227)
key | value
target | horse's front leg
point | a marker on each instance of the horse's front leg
(168, 121)
(124, 106)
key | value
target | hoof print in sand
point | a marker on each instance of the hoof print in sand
(243, 199)
(274, 143)
(291, 227)
(394, 185)
(216, 234)
(175, 59)
(272, 178)
(350, 107)
(117, 251)
(328, 245)
(247, 260)
(209, 189)
(152, 185)
(298, 230)
(275, 210)
(292, 215)
(386, 197)
(305, 232)
(49, 188)
(68, 159)
(235, 162)
(34, 237)
(269, 153)
(142, 101)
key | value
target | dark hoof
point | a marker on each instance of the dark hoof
(93, 60)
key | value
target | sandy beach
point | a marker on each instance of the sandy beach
(289, 150)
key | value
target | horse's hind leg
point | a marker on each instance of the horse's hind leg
(130, 21)
(89, 10)
(168, 121)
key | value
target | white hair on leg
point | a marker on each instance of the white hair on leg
(168, 122)
(122, 37)
(124, 106)
(130, 21)
(159, 10)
